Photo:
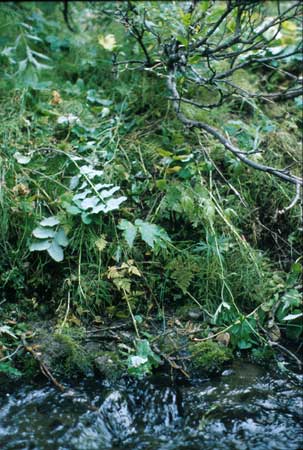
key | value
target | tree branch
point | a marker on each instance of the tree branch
(280, 173)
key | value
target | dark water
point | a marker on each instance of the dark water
(247, 407)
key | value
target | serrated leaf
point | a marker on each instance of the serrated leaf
(55, 252)
(39, 246)
(50, 222)
(61, 238)
(43, 233)
(129, 231)
(100, 186)
(101, 243)
(151, 233)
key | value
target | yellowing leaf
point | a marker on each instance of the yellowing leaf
(101, 243)
(174, 169)
(108, 42)
(289, 26)
(134, 270)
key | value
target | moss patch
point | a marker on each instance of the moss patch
(209, 356)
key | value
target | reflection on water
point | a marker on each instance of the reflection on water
(246, 408)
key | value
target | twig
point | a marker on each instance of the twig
(44, 369)
(293, 202)
(291, 354)
(280, 173)
(11, 354)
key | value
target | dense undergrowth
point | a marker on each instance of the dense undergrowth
(111, 209)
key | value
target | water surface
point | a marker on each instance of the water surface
(248, 407)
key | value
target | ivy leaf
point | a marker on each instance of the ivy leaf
(38, 246)
(43, 233)
(55, 252)
(50, 221)
(129, 231)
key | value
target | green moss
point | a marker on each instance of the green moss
(262, 355)
(71, 355)
(209, 356)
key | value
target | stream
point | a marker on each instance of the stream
(247, 407)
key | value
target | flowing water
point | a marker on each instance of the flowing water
(247, 407)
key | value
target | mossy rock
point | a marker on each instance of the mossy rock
(63, 352)
(208, 356)
(109, 365)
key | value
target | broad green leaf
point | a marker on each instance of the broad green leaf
(55, 252)
(86, 218)
(129, 231)
(50, 222)
(38, 246)
(61, 238)
(43, 233)
(73, 210)
(152, 234)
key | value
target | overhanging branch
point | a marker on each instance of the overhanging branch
(283, 174)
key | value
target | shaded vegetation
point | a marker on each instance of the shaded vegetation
(111, 209)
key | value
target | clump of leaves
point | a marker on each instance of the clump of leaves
(7, 369)
(154, 235)
(144, 360)
(91, 197)
(50, 236)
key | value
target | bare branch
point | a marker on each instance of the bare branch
(294, 201)
(280, 173)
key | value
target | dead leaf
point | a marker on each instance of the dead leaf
(56, 98)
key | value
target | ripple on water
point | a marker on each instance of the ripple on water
(246, 409)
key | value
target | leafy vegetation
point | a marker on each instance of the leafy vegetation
(119, 197)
